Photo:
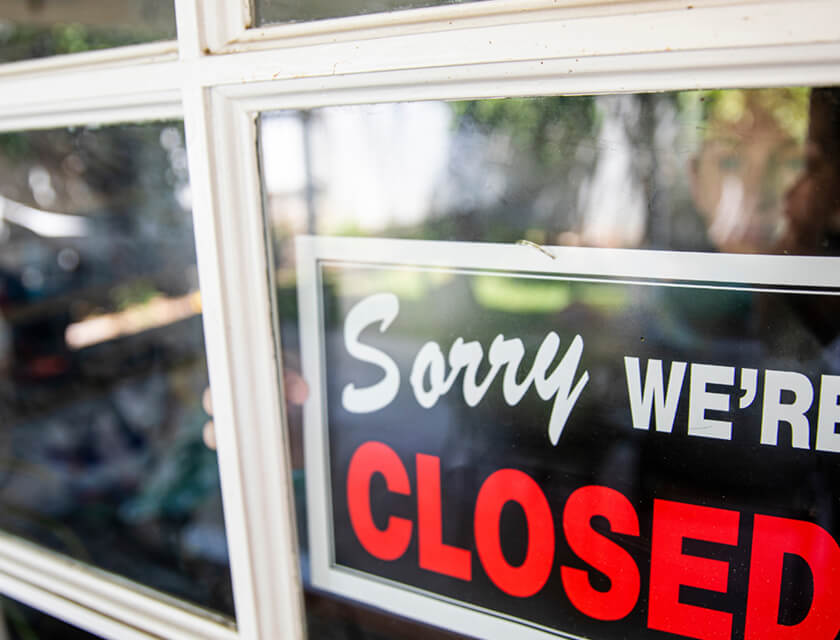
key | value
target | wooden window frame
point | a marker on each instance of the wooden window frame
(218, 76)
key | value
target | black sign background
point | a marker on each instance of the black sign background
(739, 328)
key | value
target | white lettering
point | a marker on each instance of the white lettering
(654, 395)
(467, 356)
(381, 307)
(429, 379)
(429, 360)
(827, 437)
(775, 411)
(700, 399)
(559, 383)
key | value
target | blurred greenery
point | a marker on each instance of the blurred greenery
(543, 126)
(25, 41)
(788, 107)
(274, 11)
(520, 295)
(14, 145)
(133, 293)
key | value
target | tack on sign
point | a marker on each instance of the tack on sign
(606, 444)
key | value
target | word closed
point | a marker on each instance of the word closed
(671, 565)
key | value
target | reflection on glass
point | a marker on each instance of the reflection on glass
(102, 362)
(717, 171)
(38, 28)
(692, 170)
(268, 11)
(19, 622)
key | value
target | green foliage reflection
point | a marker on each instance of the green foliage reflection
(543, 126)
(25, 39)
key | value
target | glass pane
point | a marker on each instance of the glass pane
(38, 28)
(709, 170)
(20, 622)
(718, 172)
(102, 360)
(271, 11)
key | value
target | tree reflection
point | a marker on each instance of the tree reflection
(40, 28)
(703, 170)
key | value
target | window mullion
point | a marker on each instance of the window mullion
(221, 21)
(233, 273)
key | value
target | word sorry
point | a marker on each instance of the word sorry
(430, 364)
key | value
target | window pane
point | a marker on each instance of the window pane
(20, 622)
(102, 360)
(695, 170)
(718, 172)
(48, 27)
(269, 11)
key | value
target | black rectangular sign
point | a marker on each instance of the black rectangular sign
(512, 442)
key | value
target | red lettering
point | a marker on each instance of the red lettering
(371, 458)
(772, 539)
(670, 568)
(434, 554)
(500, 488)
(601, 553)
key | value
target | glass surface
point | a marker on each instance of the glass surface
(38, 28)
(20, 622)
(102, 359)
(715, 171)
(686, 171)
(272, 11)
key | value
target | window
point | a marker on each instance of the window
(248, 82)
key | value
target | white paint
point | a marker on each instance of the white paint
(243, 366)
(382, 308)
(97, 601)
(749, 384)
(700, 399)
(654, 397)
(429, 361)
(829, 414)
(554, 33)
(793, 413)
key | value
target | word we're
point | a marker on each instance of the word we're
(787, 397)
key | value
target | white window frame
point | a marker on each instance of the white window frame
(218, 76)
